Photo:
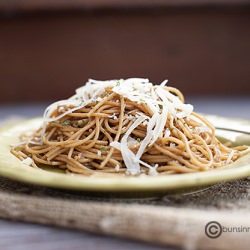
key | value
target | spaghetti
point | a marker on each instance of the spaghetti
(125, 127)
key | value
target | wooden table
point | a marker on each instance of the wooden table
(20, 236)
(51, 47)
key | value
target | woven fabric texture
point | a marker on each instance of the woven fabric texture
(172, 219)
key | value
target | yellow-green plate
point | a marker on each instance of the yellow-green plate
(12, 168)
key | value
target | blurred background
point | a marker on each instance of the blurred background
(49, 48)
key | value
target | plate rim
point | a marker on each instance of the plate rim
(111, 184)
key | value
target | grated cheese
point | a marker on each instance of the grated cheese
(203, 129)
(160, 101)
(117, 168)
(230, 156)
(113, 116)
(28, 161)
(167, 133)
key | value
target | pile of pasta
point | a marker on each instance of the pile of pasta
(129, 127)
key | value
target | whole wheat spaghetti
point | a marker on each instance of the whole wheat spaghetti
(125, 127)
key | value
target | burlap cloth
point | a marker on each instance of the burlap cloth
(168, 219)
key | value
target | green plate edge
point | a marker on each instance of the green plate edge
(12, 168)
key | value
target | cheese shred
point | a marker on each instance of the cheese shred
(125, 127)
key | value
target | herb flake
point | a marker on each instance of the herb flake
(66, 123)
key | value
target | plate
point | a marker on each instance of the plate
(11, 167)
